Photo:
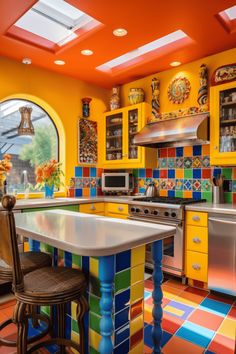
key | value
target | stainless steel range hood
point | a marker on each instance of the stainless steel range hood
(181, 131)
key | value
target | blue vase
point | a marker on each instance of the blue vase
(49, 191)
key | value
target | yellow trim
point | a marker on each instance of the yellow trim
(94, 339)
(136, 324)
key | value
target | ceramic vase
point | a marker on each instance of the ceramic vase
(49, 191)
(136, 95)
(85, 106)
(115, 98)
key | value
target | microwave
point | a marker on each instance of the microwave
(117, 182)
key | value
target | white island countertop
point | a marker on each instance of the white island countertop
(88, 235)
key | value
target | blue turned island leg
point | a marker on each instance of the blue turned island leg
(157, 296)
(106, 277)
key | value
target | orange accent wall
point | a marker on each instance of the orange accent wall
(191, 71)
(59, 95)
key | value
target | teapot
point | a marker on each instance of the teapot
(151, 190)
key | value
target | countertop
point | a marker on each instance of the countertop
(213, 208)
(88, 235)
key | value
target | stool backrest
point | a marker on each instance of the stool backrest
(8, 242)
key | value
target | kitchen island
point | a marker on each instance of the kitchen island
(112, 254)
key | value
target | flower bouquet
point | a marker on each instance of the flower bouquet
(48, 175)
(5, 167)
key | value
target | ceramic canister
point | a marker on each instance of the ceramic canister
(136, 95)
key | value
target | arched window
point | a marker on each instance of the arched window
(26, 151)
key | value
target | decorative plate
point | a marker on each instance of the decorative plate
(223, 74)
(179, 89)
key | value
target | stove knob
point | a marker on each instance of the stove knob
(166, 213)
(146, 211)
(155, 212)
(132, 209)
(173, 215)
(137, 210)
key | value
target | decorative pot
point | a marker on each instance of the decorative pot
(115, 98)
(136, 95)
(85, 106)
(49, 191)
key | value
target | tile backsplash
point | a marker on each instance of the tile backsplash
(181, 172)
(186, 172)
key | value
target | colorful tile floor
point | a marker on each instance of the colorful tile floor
(194, 321)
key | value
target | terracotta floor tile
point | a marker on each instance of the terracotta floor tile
(148, 284)
(206, 319)
(148, 314)
(228, 328)
(197, 291)
(190, 299)
(170, 293)
(176, 284)
(149, 302)
(147, 350)
(222, 345)
(232, 314)
(171, 323)
(180, 346)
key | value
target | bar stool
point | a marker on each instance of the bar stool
(46, 286)
(29, 261)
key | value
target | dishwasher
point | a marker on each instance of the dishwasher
(222, 253)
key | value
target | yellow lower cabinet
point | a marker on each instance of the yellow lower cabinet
(117, 208)
(196, 266)
(197, 238)
(117, 216)
(92, 208)
(196, 218)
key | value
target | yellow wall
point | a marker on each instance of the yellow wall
(191, 71)
(60, 95)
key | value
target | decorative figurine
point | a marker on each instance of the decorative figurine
(115, 98)
(85, 106)
(155, 98)
(202, 92)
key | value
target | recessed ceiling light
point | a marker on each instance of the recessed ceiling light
(87, 52)
(146, 48)
(175, 63)
(26, 61)
(120, 32)
(59, 62)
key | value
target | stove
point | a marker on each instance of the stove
(167, 211)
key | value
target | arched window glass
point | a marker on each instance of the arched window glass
(26, 152)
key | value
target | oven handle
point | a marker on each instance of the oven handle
(153, 221)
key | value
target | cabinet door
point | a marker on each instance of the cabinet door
(223, 124)
(114, 137)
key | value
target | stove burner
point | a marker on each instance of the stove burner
(169, 200)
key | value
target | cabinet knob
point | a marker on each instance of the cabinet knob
(92, 207)
(124, 155)
(215, 147)
(196, 218)
(196, 240)
(120, 208)
(196, 266)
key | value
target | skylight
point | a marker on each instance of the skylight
(231, 12)
(147, 48)
(54, 20)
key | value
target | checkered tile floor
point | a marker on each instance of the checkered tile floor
(194, 321)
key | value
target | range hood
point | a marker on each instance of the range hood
(181, 131)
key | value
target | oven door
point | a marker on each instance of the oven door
(172, 261)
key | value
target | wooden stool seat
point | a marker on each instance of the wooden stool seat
(29, 261)
(52, 284)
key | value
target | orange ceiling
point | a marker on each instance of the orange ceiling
(145, 22)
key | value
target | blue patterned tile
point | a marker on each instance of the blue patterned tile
(197, 185)
(123, 260)
(179, 151)
(171, 162)
(205, 161)
(171, 173)
(179, 162)
(163, 163)
(216, 307)
(196, 334)
(78, 171)
(122, 334)
(122, 300)
(188, 162)
(188, 184)
(197, 150)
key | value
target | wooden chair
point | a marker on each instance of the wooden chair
(29, 261)
(46, 286)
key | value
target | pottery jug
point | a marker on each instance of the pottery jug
(115, 98)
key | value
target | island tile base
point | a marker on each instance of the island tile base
(127, 307)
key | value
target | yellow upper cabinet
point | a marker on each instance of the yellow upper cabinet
(120, 126)
(223, 124)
